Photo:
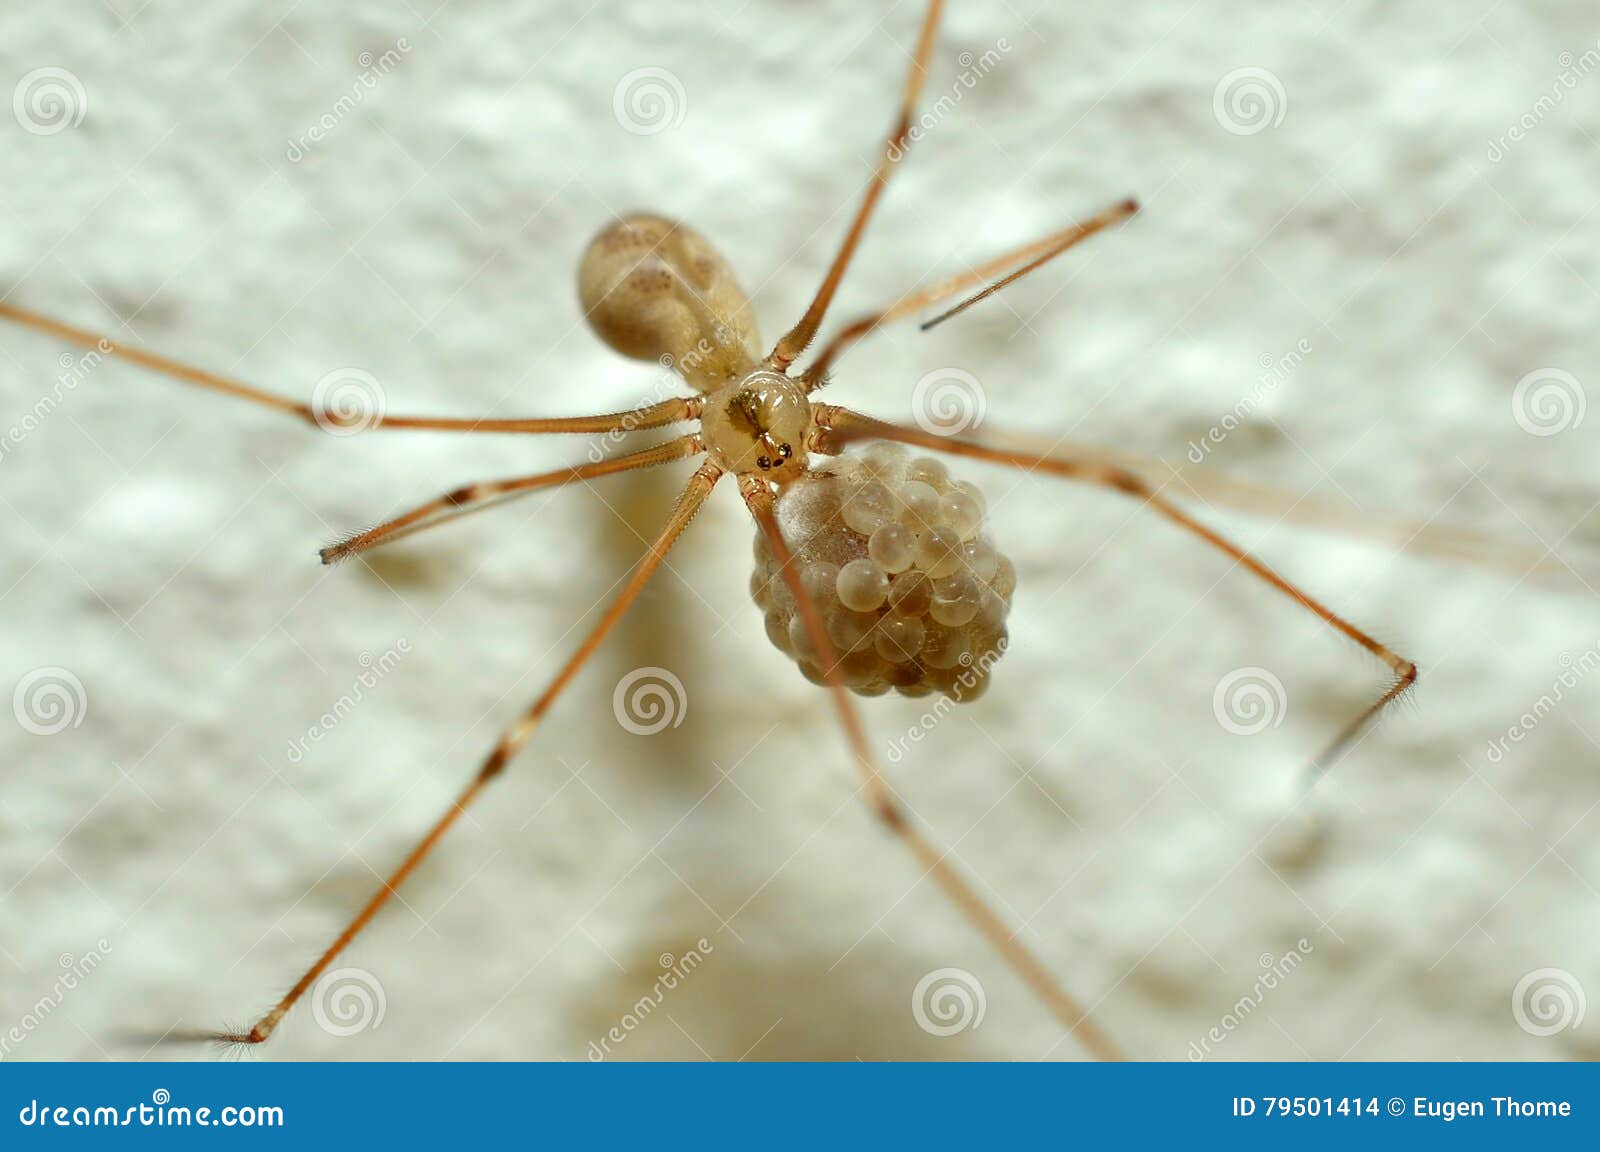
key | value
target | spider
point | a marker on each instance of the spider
(872, 567)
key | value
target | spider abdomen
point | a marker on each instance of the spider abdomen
(911, 589)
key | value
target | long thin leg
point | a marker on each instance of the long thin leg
(838, 426)
(657, 415)
(1036, 253)
(510, 743)
(472, 497)
(797, 338)
(880, 797)
(1112, 216)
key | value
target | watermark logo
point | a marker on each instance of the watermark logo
(49, 700)
(974, 671)
(1274, 971)
(948, 402)
(675, 969)
(1548, 401)
(1573, 69)
(373, 68)
(373, 670)
(1547, 1001)
(1249, 100)
(74, 970)
(1573, 671)
(1248, 701)
(947, 1001)
(347, 401)
(1273, 374)
(649, 101)
(649, 700)
(49, 100)
(348, 1000)
(973, 69)
(74, 371)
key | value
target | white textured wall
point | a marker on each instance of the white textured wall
(159, 544)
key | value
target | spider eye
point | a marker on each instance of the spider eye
(784, 451)
(763, 463)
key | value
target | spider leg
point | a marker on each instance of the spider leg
(1035, 253)
(838, 426)
(485, 494)
(510, 743)
(794, 341)
(657, 415)
(886, 805)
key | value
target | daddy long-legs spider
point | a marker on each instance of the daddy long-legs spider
(421, 487)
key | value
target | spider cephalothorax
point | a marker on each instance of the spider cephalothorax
(759, 425)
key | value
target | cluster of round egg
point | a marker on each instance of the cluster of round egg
(910, 588)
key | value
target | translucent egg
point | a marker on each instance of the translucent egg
(893, 547)
(938, 552)
(898, 638)
(943, 647)
(881, 459)
(910, 593)
(777, 631)
(1005, 577)
(800, 639)
(962, 513)
(850, 630)
(919, 505)
(978, 556)
(862, 585)
(870, 506)
(820, 581)
(970, 489)
(929, 471)
(956, 599)
(861, 667)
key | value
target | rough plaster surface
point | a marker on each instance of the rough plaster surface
(159, 544)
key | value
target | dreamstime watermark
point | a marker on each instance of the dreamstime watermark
(373, 69)
(649, 101)
(1548, 1000)
(49, 700)
(649, 700)
(49, 100)
(1248, 701)
(948, 402)
(947, 1001)
(347, 401)
(1573, 670)
(1573, 69)
(373, 669)
(974, 671)
(973, 69)
(1275, 969)
(677, 969)
(1548, 401)
(348, 1000)
(75, 969)
(1249, 100)
(1273, 374)
(74, 371)
(666, 384)
(159, 1113)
